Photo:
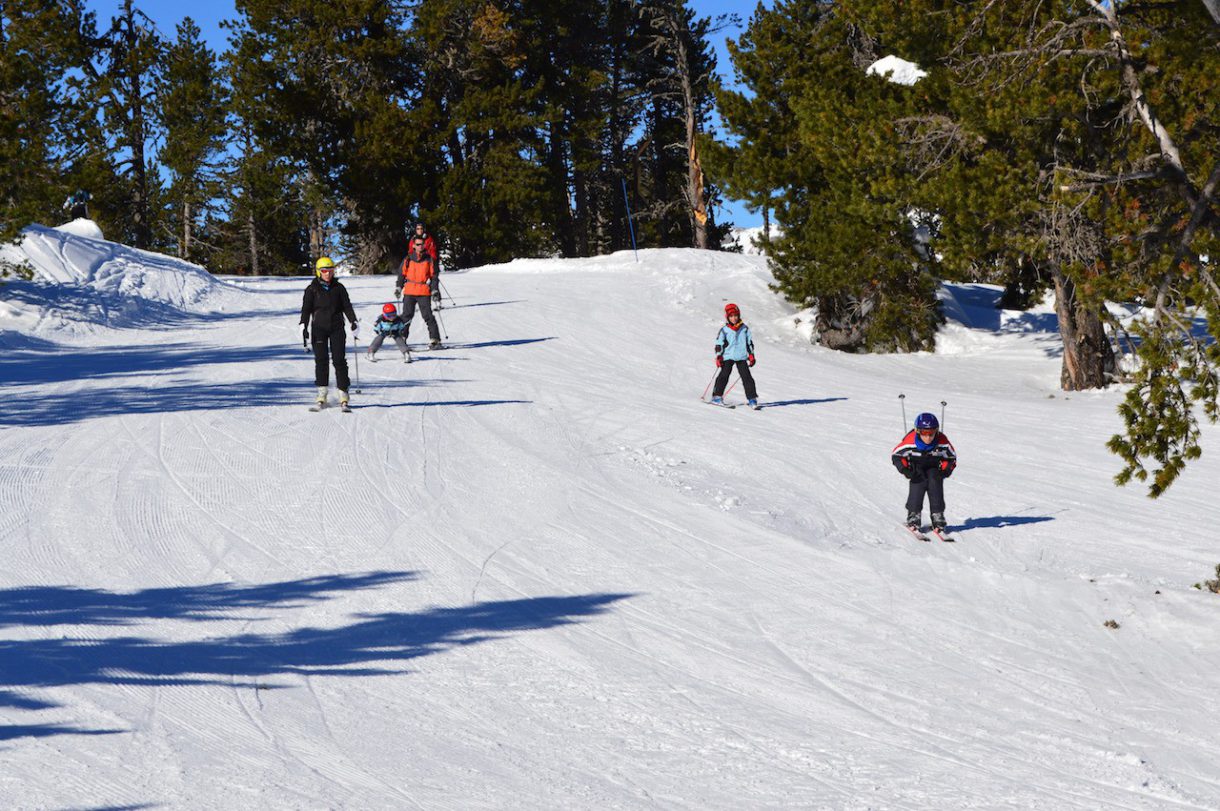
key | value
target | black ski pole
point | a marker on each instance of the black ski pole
(445, 290)
(942, 414)
(356, 358)
(441, 321)
(902, 398)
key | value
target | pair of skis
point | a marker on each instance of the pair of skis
(757, 407)
(405, 358)
(344, 407)
(920, 535)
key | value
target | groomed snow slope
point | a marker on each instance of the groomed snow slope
(534, 571)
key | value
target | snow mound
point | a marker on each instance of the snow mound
(81, 280)
(896, 70)
(82, 227)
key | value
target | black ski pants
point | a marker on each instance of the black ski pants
(747, 379)
(425, 309)
(328, 346)
(931, 482)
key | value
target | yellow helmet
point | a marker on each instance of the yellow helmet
(324, 263)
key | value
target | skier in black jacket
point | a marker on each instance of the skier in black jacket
(326, 302)
(926, 458)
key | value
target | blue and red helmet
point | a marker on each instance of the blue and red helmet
(927, 422)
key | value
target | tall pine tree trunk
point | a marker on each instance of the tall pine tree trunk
(694, 175)
(557, 177)
(252, 232)
(136, 132)
(1088, 358)
(317, 235)
(184, 250)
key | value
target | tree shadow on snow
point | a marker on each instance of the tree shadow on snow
(436, 403)
(9, 733)
(513, 342)
(62, 363)
(781, 403)
(63, 408)
(481, 304)
(1001, 521)
(67, 605)
(371, 644)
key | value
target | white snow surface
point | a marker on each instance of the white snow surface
(897, 70)
(82, 227)
(533, 570)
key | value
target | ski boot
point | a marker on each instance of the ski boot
(406, 357)
(343, 406)
(435, 344)
(914, 520)
(938, 521)
(753, 404)
(371, 356)
(320, 402)
(717, 400)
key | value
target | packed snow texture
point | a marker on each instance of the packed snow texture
(896, 70)
(533, 570)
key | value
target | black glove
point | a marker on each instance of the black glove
(355, 327)
(398, 291)
(946, 468)
(305, 336)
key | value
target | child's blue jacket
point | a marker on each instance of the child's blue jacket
(734, 344)
(388, 326)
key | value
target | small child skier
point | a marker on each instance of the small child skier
(389, 323)
(926, 458)
(734, 348)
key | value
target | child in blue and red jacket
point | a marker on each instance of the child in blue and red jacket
(389, 324)
(926, 457)
(734, 348)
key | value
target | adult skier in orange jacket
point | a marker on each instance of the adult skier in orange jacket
(418, 271)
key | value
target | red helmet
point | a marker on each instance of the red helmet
(731, 309)
(389, 309)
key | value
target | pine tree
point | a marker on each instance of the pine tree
(192, 111)
(487, 190)
(1079, 140)
(817, 141)
(121, 77)
(327, 86)
(38, 49)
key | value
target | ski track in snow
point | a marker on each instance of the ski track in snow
(532, 570)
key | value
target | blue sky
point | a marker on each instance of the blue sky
(208, 16)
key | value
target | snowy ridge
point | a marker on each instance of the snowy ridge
(82, 282)
(533, 570)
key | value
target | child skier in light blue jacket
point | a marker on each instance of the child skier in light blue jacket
(389, 324)
(734, 348)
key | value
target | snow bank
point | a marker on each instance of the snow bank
(81, 282)
(896, 70)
